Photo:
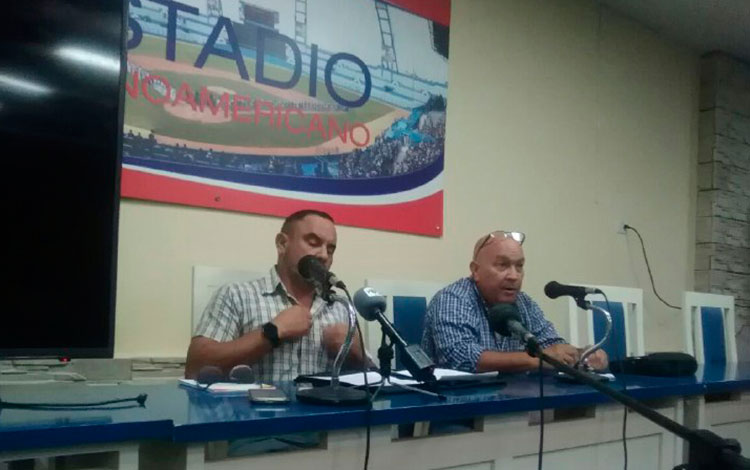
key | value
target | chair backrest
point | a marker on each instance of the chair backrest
(406, 307)
(206, 279)
(708, 326)
(626, 310)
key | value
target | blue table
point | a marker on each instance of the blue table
(214, 418)
(187, 418)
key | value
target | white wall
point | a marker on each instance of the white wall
(563, 120)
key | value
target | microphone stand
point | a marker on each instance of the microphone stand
(385, 356)
(592, 349)
(707, 450)
(581, 363)
(335, 394)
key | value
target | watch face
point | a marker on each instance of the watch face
(271, 333)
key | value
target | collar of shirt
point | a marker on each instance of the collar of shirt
(275, 286)
(480, 300)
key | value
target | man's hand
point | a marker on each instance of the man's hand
(598, 360)
(564, 353)
(335, 335)
(293, 322)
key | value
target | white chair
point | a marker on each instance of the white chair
(206, 279)
(626, 309)
(406, 307)
(708, 327)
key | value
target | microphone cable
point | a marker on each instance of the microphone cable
(624, 390)
(140, 400)
(370, 397)
(648, 266)
(541, 413)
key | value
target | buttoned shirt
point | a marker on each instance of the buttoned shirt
(457, 331)
(241, 307)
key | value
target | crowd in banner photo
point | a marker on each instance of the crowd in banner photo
(408, 145)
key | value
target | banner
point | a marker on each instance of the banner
(270, 106)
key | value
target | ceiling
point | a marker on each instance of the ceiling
(704, 25)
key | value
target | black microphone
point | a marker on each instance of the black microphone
(313, 271)
(242, 374)
(506, 320)
(371, 305)
(554, 289)
(209, 375)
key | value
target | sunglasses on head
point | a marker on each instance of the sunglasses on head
(517, 236)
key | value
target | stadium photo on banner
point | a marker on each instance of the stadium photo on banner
(270, 106)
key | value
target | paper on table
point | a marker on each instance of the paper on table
(356, 378)
(223, 387)
(399, 377)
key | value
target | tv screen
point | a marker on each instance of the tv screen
(61, 95)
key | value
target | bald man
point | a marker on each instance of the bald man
(457, 334)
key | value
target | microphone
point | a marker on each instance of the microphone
(371, 304)
(554, 289)
(506, 320)
(313, 271)
(242, 374)
(209, 375)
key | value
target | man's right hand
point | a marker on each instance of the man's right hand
(564, 353)
(293, 322)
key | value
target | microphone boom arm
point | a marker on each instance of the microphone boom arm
(592, 349)
(344, 349)
(412, 356)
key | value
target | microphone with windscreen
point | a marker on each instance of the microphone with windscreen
(314, 271)
(554, 289)
(371, 305)
(505, 319)
(242, 374)
(208, 375)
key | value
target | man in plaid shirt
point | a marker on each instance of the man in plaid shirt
(457, 334)
(276, 323)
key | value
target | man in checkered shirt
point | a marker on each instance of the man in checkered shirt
(277, 324)
(457, 334)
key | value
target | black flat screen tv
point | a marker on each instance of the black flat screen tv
(61, 105)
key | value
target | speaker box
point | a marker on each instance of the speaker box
(661, 364)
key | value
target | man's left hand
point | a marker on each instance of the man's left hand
(334, 337)
(598, 360)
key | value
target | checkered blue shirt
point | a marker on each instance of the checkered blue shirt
(457, 332)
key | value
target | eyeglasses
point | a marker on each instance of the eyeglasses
(517, 236)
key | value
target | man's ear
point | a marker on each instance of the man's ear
(282, 240)
(474, 267)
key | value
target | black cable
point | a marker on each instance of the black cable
(70, 408)
(541, 413)
(648, 266)
(140, 399)
(368, 411)
(624, 440)
(625, 390)
(369, 396)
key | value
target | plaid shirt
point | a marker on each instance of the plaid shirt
(457, 332)
(241, 307)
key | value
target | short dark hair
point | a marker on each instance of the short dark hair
(299, 215)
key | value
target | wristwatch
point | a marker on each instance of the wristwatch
(271, 333)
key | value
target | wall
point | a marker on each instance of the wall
(564, 120)
(723, 224)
